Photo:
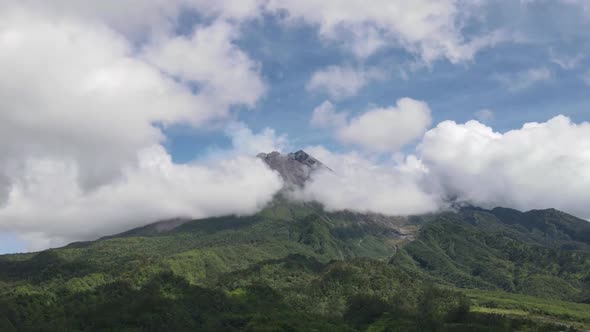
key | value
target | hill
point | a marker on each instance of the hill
(298, 265)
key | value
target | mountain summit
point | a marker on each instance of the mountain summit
(295, 168)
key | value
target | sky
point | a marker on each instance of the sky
(116, 114)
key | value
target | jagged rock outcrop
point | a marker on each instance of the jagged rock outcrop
(295, 168)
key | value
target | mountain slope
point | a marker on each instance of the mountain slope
(199, 248)
(314, 261)
(543, 253)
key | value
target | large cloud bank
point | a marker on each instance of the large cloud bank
(360, 184)
(83, 112)
(538, 166)
(77, 90)
(48, 204)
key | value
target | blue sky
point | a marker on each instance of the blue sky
(166, 93)
(11, 244)
(289, 55)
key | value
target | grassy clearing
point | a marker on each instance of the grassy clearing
(569, 313)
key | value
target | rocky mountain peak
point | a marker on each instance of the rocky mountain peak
(295, 168)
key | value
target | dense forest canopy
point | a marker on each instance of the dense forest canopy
(296, 267)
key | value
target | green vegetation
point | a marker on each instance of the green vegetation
(488, 250)
(296, 293)
(297, 268)
(573, 314)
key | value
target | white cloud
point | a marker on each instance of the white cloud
(245, 142)
(84, 93)
(81, 120)
(209, 59)
(485, 115)
(387, 129)
(138, 18)
(360, 184)
(87, 86)
(326, 116)
(431, 29)
(566, 62)
(586, 77)
(88, 91)
(540, 165)
(46, 204)
(524, 79)
(341, 82)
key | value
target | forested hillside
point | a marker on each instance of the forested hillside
(541, 253)
(297, 267)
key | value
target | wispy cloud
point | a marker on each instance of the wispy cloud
(342, 81)
(326, 116)
(524, 79)
(485, 115)
(567, 62)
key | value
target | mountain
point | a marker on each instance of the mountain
(294, 266)
(543, 253)
(295, 168)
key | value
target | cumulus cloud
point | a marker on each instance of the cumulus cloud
(81, 126)
(47, 204)
(88, 91)
(540, 165)
(326, 116)
(524, 79)
(387, 129)
(341, 82)
(360, 184)
(210, 60)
